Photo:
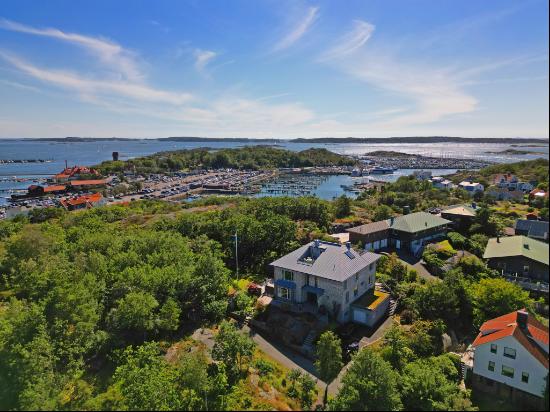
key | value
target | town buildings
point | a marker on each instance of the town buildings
(511, 358)
(330, 277)
(82, 202)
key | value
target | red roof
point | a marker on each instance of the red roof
(88, 182)
(85, 199)
(507, 325)
(58, 188)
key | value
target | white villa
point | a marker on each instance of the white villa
(334, 277)
(510, 357)
(471, 187)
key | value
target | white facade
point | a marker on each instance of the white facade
(524, 362)
(472, 187)
(330, 293)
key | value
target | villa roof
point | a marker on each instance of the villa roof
(335, 262)
(54, 188)
(534, 228)
(517, 246)
(507, 325)
(370, 227)
(417, 222)
(95, 182)
(462, 210)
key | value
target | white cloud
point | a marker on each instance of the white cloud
(75, 82)
(110, 53)
(202, 58)
(351, 41)
(299, 30)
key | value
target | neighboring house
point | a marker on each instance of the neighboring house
(422, 174)
(461, 215)
(500, 193)
(82, 202)
(410, 232)
(373, 236)
(511, 358)
(537, 194)
(471, 187)
(536, 229)
(441, 183)
(520, 259)
(331, 276)
(88, 184)
(75, 172)
(511, 182)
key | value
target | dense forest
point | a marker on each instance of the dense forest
(249, 158)
(98, 307)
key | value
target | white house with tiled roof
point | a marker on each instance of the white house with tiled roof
(511, 357)
(333, 276)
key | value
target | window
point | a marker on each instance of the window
(347, 296)
(526, 270)
(316, 284)
(507, 371)
(345, 284)
(371, 266)
(510, 353)
(356, 277)
(288, 275)
(355, 291)
(493, 348)
(491, 366)
(284, 293)
(524, 377)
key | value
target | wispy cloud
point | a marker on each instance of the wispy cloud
(203, 58)
(299, 30)
(73, 81)
(351, 41)
(107, 51)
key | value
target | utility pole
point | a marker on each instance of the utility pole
(236, 253)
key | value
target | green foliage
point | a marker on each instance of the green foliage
(329, 356)
(370, 384)
(233, 348)
(382, 212)
(250, 158)
(496, 297)
(342, 206)
(430, 385)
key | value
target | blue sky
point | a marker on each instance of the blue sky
(262, 68)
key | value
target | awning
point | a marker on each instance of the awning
(313, 289)
(285, 283)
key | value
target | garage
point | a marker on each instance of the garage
(359, 316)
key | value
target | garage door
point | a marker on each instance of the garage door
(359, 316)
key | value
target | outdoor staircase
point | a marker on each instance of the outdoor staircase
(308, 344)
(392, 307)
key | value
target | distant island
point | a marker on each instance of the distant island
(421, 139)
(515, 152)
(514, 141)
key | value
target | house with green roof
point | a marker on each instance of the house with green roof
(520, 258)
(408, 232)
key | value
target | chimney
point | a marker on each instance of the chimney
(406, 210)
(348, 245)
(115, 156)
(392, 219)
(522, 318)
(498, 238)
(474, 205)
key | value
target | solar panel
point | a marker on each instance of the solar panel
(349, 254)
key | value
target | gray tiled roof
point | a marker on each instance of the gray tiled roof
(370, 227)
(333, 262)
(532, 228)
